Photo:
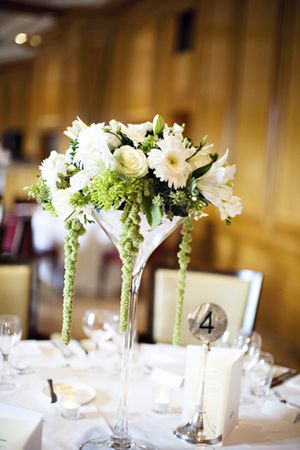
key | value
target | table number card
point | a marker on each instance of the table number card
(223, 382)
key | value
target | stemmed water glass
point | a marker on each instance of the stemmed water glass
(98, 324)
(251, 346)
(10, 334)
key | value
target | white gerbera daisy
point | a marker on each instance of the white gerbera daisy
(169, 162)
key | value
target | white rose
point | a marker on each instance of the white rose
(130, 161)
(79, 180)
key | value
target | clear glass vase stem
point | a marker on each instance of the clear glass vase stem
(120, 437)
(5, 376)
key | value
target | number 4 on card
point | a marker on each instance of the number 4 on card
(206, 323)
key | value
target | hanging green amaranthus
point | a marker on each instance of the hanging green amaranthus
(183, 259)
(130, 240)
(75, 229)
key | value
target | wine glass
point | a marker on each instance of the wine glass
(98, 325)
(251, 346)
(260, 374)
(10, 334)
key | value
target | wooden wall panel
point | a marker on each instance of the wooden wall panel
(140, 67)
(255, 91)
(287, 185)
(215, 72)
(15, 96)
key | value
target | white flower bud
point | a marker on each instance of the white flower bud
(158, 124)
(115, 125)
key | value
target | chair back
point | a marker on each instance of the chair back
(237, 293)
(18, 292)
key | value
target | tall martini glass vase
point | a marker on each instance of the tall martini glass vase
(110, 222)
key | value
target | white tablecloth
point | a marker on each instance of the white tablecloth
(255, 430)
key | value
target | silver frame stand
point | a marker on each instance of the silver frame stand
(198, 429)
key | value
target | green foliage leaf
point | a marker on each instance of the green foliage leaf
(153, 212)
(202, 170)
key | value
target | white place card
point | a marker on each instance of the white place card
(20, 429)
(222, 386)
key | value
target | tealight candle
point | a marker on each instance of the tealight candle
(70, 408)
(161, 400)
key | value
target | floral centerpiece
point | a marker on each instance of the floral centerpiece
(148, 169)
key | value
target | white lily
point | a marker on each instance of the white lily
(216, 186)
(77, 126)
(201, 158)
(136, 132)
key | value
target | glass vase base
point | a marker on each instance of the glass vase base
(108, 444)
(9, 386)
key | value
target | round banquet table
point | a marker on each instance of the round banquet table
(100, 373)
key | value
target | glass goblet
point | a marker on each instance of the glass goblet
(98, 325)
(252, 350)
(250, 344)
(10, 334)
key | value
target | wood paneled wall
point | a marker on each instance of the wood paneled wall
(239, 83)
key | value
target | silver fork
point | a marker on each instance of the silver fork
(285, 401)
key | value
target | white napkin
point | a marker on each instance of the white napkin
(163, 356)
(43, 354)
(294, 382)
(166, 378)
(280, 411)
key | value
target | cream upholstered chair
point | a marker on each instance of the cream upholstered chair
(238, 294)
(18, 292)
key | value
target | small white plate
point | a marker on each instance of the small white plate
(86, 393)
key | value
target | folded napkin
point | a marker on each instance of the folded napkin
(280, 411)
(294, 382)
(43, 354)
(166, 378)
(20, 429)
(163, 356)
